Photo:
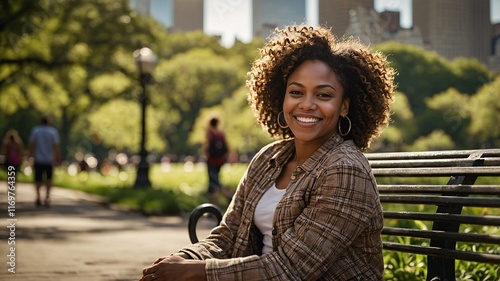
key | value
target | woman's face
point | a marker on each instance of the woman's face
(313, 102)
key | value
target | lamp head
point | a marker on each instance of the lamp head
(145, 60)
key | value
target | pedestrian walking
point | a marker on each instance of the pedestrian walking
(13, 149)
(44, 150)
(216, 152)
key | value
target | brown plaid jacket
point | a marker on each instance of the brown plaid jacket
(326, 227)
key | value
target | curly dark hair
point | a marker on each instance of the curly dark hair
(366, 76)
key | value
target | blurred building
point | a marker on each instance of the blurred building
(143, 7)
(175, 15)
(494, 61)
(365, 24)
(336, 13)
(455, 28)
(187, 15)
(452, 28)
(372, 27)
(267, 15)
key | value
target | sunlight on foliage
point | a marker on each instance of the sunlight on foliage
(485, 118)
(437, 140)
(114, 121)
(109, 85)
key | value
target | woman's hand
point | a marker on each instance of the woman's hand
(174, 268)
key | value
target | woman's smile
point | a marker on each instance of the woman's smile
(307, 119)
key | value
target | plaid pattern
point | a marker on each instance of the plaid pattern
(326, 227)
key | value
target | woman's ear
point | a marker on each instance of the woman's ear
(344, 108)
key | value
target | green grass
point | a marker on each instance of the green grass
(177, 189)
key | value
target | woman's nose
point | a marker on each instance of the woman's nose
(308, 103)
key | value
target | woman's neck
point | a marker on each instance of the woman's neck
(304, 150)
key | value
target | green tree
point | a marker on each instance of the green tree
(484, 109)
(437, 140)
(55, 49)
(450, 112)
(186, 84)
(401, 129)
(470, 75)
(182, 42)
(424, 73)
(420, 73)
(108, 125)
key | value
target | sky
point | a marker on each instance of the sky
(231, 18)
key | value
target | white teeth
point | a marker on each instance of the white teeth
(307, 119)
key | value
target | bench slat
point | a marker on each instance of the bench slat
(437, 171)
(443, 253)
(454, 162)
(433, 154)
(463, 219)
(441, 200)
(432, 234)
(465, 189)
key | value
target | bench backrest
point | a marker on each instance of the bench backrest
(438, 185)
(447, 189)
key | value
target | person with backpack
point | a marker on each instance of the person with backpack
(12, 149)
(216, 151)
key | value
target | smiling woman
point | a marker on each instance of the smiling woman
(307, 207)
(362, 77)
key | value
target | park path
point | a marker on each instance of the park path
(78, 238)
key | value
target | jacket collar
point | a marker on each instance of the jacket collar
(284, 154)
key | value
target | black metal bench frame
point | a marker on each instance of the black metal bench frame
(462, 168)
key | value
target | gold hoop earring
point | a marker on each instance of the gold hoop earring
(340, 127)
(279, 123)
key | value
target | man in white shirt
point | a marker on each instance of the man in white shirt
(44, 147)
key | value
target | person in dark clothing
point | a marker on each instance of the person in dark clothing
(216, 150)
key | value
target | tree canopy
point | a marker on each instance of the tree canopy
(72, 60)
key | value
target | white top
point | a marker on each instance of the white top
(44, 138)
(264, 215)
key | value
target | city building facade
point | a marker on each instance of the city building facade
(336, 13)
(455, 28)
(452, 28)
(175, 15)
(267, 15)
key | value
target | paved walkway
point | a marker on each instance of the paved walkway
(79, 239)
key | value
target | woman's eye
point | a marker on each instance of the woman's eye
(324, 95)
(295, 93)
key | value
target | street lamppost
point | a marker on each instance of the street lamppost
(145, 60)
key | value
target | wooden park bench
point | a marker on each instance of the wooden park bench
(436, 203)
